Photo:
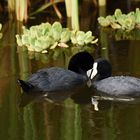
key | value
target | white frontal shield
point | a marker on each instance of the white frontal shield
(92, 72)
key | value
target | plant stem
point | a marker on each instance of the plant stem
(103, 36)
(21, 9)
(56, 9)
(11, 7)
(102, 2)
(45, 6)
(68, 7)
(18, 8)
(75, 15)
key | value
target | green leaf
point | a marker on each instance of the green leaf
(103, 21)
(46, 42)
(117, 13)
(38, 49)
(121, 19)
(88, 37)
(80, 37)
(73, 37)
(115, 25)
(65, 36)
(46, 28)
(56, 35)
(25, 39)
(32, 41)
(111, 18)
(19, 41)
(57, 26)
(137, 16)
(56, 31)
(38, 43)
(129, 24)
(25, 30)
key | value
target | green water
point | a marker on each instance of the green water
(23, 117)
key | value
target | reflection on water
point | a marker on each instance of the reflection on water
(27, 117)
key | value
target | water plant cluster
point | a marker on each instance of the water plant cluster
(45, 37)
(122, 21)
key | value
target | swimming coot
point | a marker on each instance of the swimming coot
(58, 79)
(117, 86)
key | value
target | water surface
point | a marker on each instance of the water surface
(23, 117)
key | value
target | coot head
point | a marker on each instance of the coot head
(81, 62)
(101, 69)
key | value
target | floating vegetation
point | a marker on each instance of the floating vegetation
(122, 21)
(0, 30)
(45, 37)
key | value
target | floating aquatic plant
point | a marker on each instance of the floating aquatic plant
(45, 37)
(121, 21)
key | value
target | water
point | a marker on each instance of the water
(24, 117)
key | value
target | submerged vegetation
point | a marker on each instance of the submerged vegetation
(122, 21)
(45, 37)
